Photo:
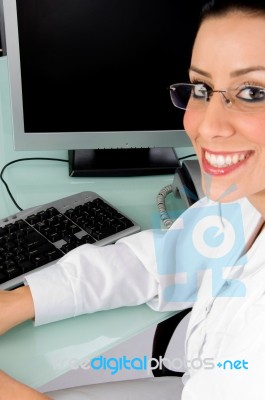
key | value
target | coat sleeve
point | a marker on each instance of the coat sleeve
(155, 267)
(92, 278)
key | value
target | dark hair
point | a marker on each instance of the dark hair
(215, 8)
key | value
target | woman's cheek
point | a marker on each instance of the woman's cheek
(189, 122)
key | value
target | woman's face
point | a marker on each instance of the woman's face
(229, 52)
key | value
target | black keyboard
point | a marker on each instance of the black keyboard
(35, 238)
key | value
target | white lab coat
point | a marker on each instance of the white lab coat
(206, 260)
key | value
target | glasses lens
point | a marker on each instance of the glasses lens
(180, 95)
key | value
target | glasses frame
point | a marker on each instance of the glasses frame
(226, 100)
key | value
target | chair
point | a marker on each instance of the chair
(162, 337)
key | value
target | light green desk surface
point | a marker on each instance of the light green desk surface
(37, 355)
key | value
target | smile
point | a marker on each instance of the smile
(225, 160)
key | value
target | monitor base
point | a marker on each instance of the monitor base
(122, 162)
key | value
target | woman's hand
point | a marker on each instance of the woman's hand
(16, 306)
(14, 390)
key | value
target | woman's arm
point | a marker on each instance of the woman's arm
(12, 390)
(16, 306)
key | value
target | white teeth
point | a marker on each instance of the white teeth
(218, 160)
(235, 158)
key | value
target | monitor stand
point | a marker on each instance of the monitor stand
(122, 162)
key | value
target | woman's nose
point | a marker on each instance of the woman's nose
(217, 119)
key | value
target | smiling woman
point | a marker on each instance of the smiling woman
(227, 129)
(212, 258)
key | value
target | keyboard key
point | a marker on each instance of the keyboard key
(2, 277)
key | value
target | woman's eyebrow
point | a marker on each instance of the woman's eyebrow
(244, 71)
(199, 71)
(233, 74)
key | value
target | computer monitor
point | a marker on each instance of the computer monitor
(92, 77)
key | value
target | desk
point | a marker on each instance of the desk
(39, 182)
(37, 355)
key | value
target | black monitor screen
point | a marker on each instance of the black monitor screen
(103, 65)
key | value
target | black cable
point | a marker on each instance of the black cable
(45, 159)
(190, 155)
(19, 160)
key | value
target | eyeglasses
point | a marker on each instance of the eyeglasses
(246, 98)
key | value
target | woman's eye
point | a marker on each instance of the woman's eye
(252, 94)
(200, 91)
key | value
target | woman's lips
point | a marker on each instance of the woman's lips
(221, 163)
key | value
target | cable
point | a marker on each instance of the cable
(161, 200)
(161, 197)
(190, 155)
(19, 160)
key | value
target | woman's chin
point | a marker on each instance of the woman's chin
(221, 193)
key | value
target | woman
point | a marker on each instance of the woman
(225, 119)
